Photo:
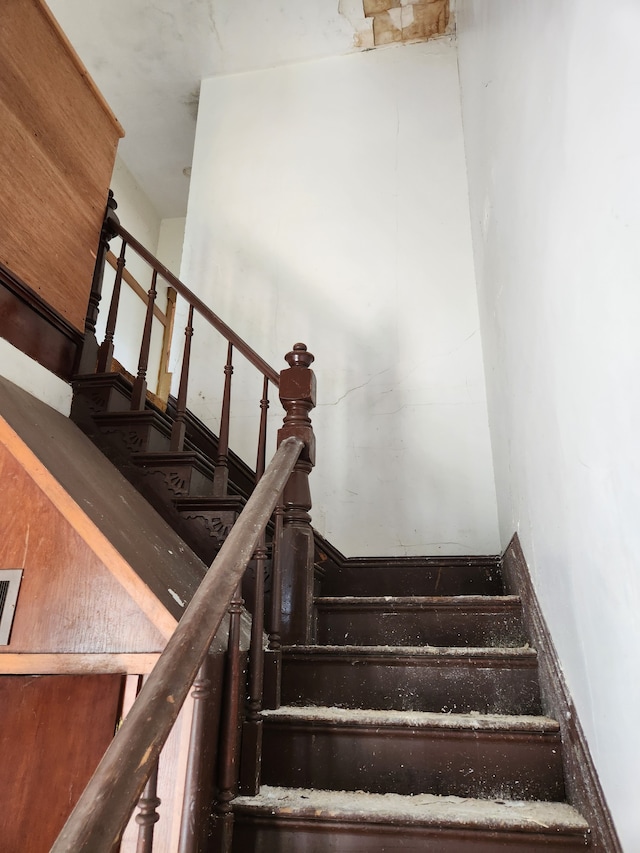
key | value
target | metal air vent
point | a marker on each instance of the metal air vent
(9, 586)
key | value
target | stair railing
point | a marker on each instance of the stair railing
(165, 318)
(290, 616)
(103, 810)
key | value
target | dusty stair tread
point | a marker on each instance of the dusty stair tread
(414, 719)
(420, 809)
(463, 652)
(417, 601)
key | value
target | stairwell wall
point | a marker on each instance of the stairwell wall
(328, 204)
(552, 132)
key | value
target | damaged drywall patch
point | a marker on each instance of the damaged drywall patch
(351, 10)
(406, 20)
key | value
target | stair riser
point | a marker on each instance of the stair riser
(380, 760)
(136, 438)
(443, 579)
(450, 626)
(427, 686)
(279, 835)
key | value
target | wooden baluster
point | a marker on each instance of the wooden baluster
(230, 729)
(252, 726)
(89, 355)
(298, 396)
(139, 392)
(273, 658)
(179, 424)
(105, 353)
(148, 815)
(198, 787)
(221, 474)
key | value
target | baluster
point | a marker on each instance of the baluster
(148, 815)
(276, 582)
(197, 792)
(230, 728)
(105, 353)
(139, 392)
(89, 356)
(252, 727)
(179, 426)
(273, 659)
(221, 473)
(298, 396)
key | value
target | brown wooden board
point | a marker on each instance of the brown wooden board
(53, 732)
(153, 564)
(57, 150)
(69, 601)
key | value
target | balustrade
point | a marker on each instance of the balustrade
(281, 494)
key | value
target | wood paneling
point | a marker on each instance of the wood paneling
(69, 601)
(76, 664)
(53, 732)
(57, 150)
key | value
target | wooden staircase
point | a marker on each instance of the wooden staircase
(413, 725)
(413, 722)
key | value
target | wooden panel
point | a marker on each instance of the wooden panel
(76, 664)
(53, 732)
(57, 151)
(69, 601)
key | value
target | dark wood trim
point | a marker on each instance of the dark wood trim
(35, 328)
(581, 778)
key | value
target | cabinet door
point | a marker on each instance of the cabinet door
(54, 729)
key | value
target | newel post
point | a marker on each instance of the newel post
(89, 354)
(298, 397)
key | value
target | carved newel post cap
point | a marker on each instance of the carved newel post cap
(299, 356)
(298, 396)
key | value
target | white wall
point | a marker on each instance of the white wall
(328, 204)
(552, 130)
(34, 378)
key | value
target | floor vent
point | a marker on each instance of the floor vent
(9, 586)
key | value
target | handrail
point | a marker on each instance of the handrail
(250, 354)
(102, 812)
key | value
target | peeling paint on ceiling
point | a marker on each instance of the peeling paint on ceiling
(149, 56)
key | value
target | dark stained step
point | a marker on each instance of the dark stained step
(208, 522)
(403, 752)
(404, 576)
(309, 821)
(444, 680)
(465, 620)
(175, 474)
(145, 431)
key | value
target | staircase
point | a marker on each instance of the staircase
(414, 724)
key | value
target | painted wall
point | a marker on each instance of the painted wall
(552, 131)
(328, 204)
(34, 378)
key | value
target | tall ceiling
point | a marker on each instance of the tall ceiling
(149, 56)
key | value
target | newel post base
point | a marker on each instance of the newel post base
(298, 397)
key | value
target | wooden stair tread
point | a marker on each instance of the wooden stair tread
(467, 653)
(475, 722)
(421, 809)
(383, 602)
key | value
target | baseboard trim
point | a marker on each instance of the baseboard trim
(35, 328)
(583, 787)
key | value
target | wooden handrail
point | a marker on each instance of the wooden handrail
(250, 354)
(98, 820)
